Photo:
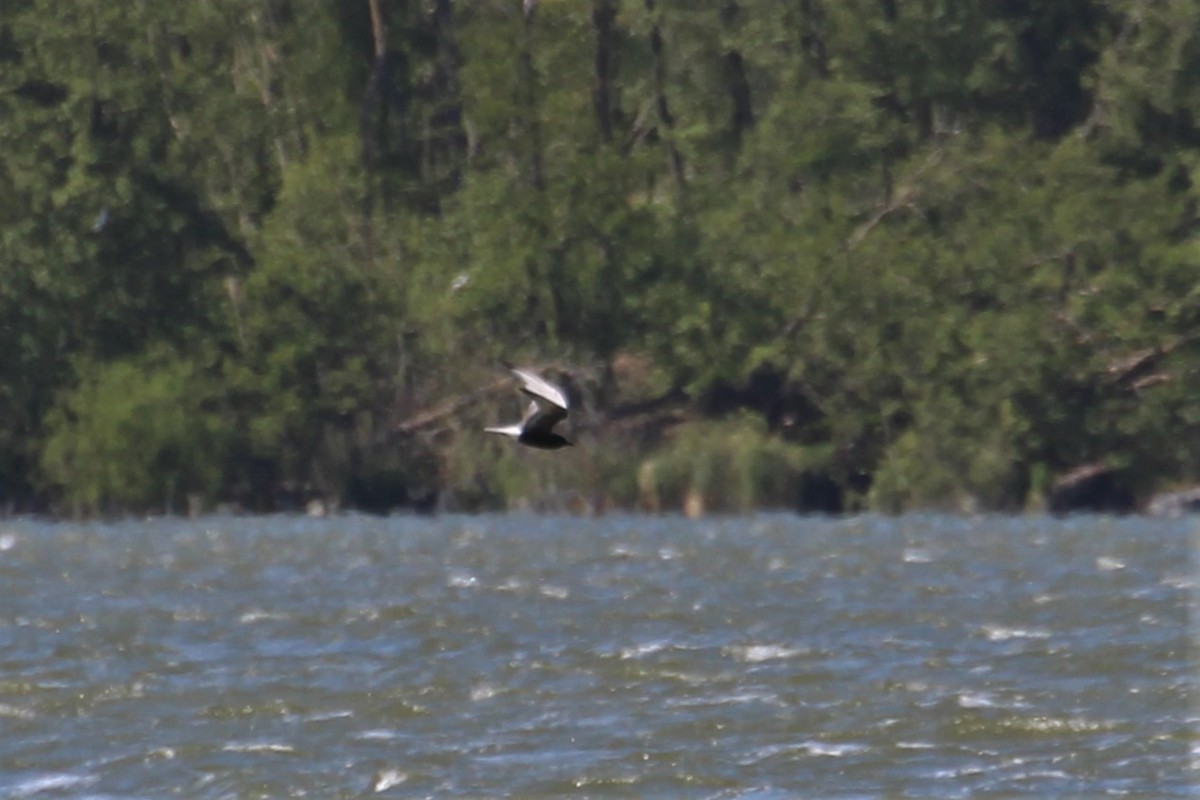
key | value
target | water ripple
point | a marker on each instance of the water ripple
(764, 657)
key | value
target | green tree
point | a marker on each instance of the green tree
(140, 433)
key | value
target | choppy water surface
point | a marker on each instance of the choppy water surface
(763, 657)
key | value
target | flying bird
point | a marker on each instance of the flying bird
(547, 409)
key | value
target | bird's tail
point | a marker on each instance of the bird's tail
(508, 430)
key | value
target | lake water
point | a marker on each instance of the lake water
(760, 657)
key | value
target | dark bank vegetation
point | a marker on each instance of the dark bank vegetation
(813, 254)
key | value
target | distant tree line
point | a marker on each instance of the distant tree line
(814, 254)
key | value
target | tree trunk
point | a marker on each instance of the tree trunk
(373, 109)
(449, 145)
(533, 126)
(742, 114)
(812, 39)
(661, 105)
(604, 97)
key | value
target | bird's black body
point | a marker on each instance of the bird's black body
(544, 440)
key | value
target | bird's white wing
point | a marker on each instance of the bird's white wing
(530, 412)
(537, 387)
(543, 416)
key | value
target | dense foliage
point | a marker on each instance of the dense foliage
(909, 254)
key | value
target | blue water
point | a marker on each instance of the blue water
(759, 657)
